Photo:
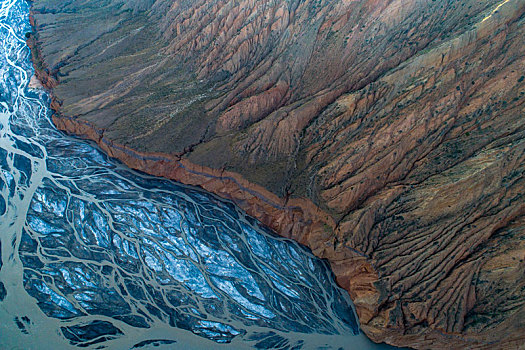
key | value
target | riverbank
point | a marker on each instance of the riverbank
(297, 219)
(93, 254)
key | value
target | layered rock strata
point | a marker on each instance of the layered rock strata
(386, 135)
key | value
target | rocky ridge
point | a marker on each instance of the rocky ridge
(388, 136)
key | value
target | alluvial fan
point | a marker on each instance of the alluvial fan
(93, 254)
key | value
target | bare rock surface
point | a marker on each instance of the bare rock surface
(387, 135)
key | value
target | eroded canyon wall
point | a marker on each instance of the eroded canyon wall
(388, 136)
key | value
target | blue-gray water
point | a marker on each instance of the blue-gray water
(96, 255)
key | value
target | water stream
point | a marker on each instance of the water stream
(95, 255)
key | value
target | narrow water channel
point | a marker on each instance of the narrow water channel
(95, 255)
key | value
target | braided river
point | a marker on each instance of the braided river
(95, 255)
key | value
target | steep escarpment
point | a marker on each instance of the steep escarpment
(388, 136)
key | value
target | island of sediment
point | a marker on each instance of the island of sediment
(386, 135)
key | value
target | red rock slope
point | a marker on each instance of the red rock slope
(387, 135)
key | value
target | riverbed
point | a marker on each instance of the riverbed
(96, 255)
